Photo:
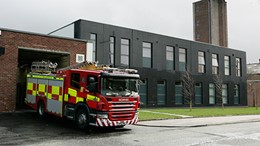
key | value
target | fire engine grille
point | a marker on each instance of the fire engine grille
(121, 110)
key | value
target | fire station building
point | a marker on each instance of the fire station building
(17, 52)
(160, 60)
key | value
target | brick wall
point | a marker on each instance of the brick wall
(253, 92)
(223, 38)
(11, 40)
(202, 30)
(201, 21)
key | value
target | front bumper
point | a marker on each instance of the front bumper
(105, 122)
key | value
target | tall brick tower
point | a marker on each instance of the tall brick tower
(210, 22)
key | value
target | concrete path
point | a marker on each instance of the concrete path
(196, 122)
(182, 116)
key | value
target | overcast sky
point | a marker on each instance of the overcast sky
(167, 17)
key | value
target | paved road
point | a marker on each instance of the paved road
(26, 129)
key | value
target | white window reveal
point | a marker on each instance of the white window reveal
(80, 58)
(89, 52)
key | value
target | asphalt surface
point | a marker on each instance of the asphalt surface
(25, 128)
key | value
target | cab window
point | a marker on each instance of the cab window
(92, 79)
(75, 80)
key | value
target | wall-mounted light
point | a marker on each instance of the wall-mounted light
(2, 51)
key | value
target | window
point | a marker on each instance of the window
(143, 92)
(227, 65)
(214, 64)
(198, 93)
(93, 38)
(178, 93)
(182, 59)
(75, 80)
(212, 95)
(224, 93)
(169, 58)
(236, 94)
(238, 67)
(112, 51)
(147, 55)
(201, 62)
(80, 58)
(161, 92)
(91, 79)
(125, 45)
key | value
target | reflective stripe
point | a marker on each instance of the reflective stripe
(106, 122)
(66, 97)
(79, 99)
(49, 96)
(72, 92)
(60, 98)
(56, 90)
(29, 86)
(93, 98)
(99, 123)
(42, 87)
(34, 93)
(44, 77)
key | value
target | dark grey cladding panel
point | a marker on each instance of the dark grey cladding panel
(158, 71)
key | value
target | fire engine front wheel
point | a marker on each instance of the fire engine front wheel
(41, 109)
(82, 119)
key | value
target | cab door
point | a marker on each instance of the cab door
(92, 90)
(76, 87)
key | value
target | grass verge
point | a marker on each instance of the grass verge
(196, 112)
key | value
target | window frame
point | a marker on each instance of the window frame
(201, 92)
(75, 80)
(225, 94)
(237, 94)
(144, 83)
(179, 84)
(123, 54)
(201, 65)
(112, 45)
(169, 61)
(182, 54)
(238, 67)
(215, 64)
(147, 52)
(94, 40)
(164, 84)
(213, 88)
(227, 64)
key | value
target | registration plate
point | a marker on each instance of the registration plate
(121, 123)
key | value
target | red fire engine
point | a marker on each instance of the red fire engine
(86, 93)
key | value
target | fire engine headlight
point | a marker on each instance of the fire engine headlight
(102, 116)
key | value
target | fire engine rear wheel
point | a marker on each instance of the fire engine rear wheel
(41, 109)
(82, 119)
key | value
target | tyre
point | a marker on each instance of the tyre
(41, 109)
(82, 119)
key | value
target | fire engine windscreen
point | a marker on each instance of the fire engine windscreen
(116, 86)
